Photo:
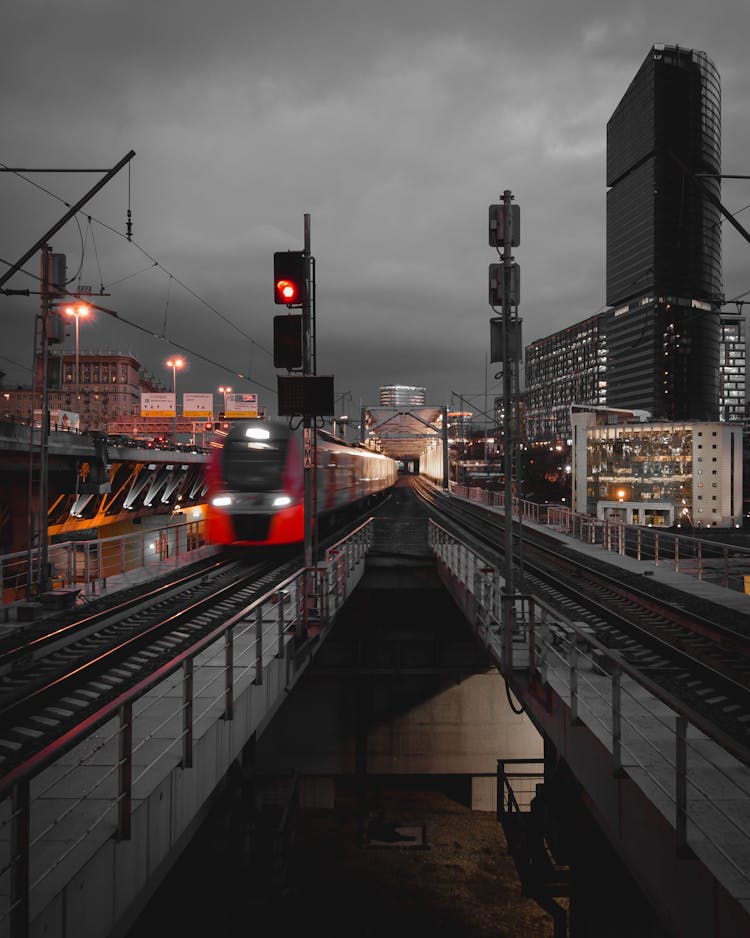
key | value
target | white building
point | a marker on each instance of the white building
(658, 473)
(402, 395)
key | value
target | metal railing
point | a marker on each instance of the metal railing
(531, 511)
(677, 758)
(88, 564)
(120, 752)
(706, 559)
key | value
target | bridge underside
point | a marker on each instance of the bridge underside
(84, 494)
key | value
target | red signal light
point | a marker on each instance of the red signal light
(290, 275)
(287, 290)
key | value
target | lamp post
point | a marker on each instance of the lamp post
(225, 391)
(78, 310)
(174, 364)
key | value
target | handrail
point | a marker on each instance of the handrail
(582, 669)
(91, 562)
(212, 671)
(686, 553)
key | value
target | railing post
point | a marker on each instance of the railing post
(656, 548)
(676, 555)
(700, 560)
(125, 773)
(532, 639)
(506, 625)
(616, 721)
(259, 645)
(573, 662)
(681, 781)
(87, 568)
(229, 674)
(638, 543)
(187, 714)
(500, 790)
(325, 590)
(280, 632)
(19, 850)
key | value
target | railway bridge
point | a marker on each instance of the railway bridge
(523, 702)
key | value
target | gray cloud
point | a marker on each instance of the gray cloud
(394, 124)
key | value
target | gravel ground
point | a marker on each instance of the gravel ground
(462, 885)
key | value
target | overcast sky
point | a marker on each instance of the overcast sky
(393, 123)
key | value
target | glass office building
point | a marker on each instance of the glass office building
(567, 367)
(664, 279)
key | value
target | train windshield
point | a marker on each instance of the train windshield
(253, 467)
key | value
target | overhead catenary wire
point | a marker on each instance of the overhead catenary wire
(155, 262)
(149, 332)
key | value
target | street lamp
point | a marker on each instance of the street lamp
(225, 391)
(174, 364)
(78, 310)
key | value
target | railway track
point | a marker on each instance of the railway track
(56, 681)
(54, 673)
(698, 651)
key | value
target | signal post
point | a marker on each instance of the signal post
(301, 392)
(505, 346)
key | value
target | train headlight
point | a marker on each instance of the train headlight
(281, 501)
(257, 433)
(221, 501)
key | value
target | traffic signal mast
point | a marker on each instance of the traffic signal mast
(504, 231)
(306, 395)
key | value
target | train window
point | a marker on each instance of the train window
(252, 468)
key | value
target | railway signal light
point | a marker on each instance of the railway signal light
(56, 281)
(287, 342)
(497, 281)
(290, 278)
(497, 226)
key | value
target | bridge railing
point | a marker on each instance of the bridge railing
(705, 558)
(691, 772)
(83, 789)
(88, 564)
(531, 511)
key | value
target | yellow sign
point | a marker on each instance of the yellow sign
(198, 405)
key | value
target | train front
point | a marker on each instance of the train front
(255, 486)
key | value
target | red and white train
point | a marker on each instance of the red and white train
(255, 482)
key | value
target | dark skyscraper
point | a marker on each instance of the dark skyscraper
(664, 277)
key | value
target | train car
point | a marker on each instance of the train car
(256, 482)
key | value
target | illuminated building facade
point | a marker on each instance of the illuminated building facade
(109, 389)
(402, 395)
(573, 366)
(567, 367)
(658, 473)
(732, 368)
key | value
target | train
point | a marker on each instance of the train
(255, 482)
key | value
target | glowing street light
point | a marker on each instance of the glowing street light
(174, 364)
(77, 310)
(225, 391)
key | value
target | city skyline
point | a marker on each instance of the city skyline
(393, 129)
